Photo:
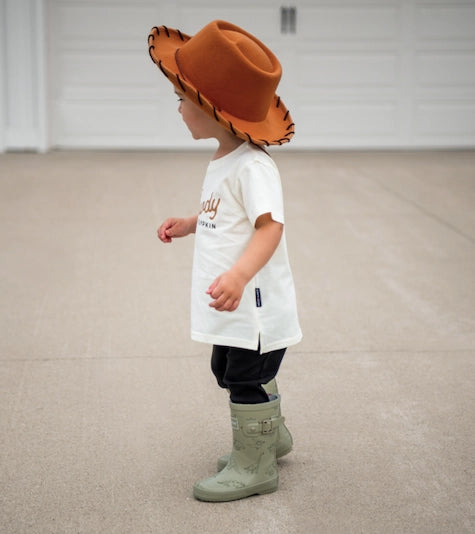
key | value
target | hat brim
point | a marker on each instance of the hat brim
(276, 129)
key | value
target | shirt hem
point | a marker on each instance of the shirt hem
(281, 344)
(246, 343)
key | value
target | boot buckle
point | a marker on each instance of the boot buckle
(267, 426)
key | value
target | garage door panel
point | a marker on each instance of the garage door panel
(348, 70)
(104, 72)
(110, 23)
(454, 21)
(438, 119)
(455, 69)
(344, 23)
(357, 118)
(93, 120)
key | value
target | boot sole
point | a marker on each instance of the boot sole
(259, 489)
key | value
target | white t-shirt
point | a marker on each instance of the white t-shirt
(237, 189)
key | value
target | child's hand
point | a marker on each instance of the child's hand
(226, 291)
(176, 227)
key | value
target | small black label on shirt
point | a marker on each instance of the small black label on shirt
(258, 297)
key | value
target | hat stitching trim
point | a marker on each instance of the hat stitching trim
(183, 88)
(151, 47)
(162, 69)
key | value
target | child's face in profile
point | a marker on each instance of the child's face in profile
(198, 122)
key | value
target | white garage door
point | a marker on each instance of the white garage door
(368, 73)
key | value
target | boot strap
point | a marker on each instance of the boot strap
(266, 426)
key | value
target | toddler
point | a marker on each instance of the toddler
(243, 297)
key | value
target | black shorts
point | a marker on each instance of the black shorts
(244, 371)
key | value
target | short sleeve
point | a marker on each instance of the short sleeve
(262, 190)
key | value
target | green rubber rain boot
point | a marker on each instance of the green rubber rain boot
(284, 438)
(252, 466)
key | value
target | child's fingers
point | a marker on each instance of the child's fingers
(162, 235)
(217, 294)
(225, 297)
(165, 232)
(225, 304)
(212, 288)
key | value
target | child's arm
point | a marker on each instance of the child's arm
(226, 291)
(177, 227)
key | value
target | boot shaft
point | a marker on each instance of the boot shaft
(254, 420)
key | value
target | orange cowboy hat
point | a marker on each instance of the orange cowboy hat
(230, 74)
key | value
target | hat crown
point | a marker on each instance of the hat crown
(230, 67)
(250, 50)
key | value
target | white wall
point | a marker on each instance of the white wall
(23, 103)
(357, 74)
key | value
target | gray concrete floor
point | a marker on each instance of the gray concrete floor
(109, 412)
